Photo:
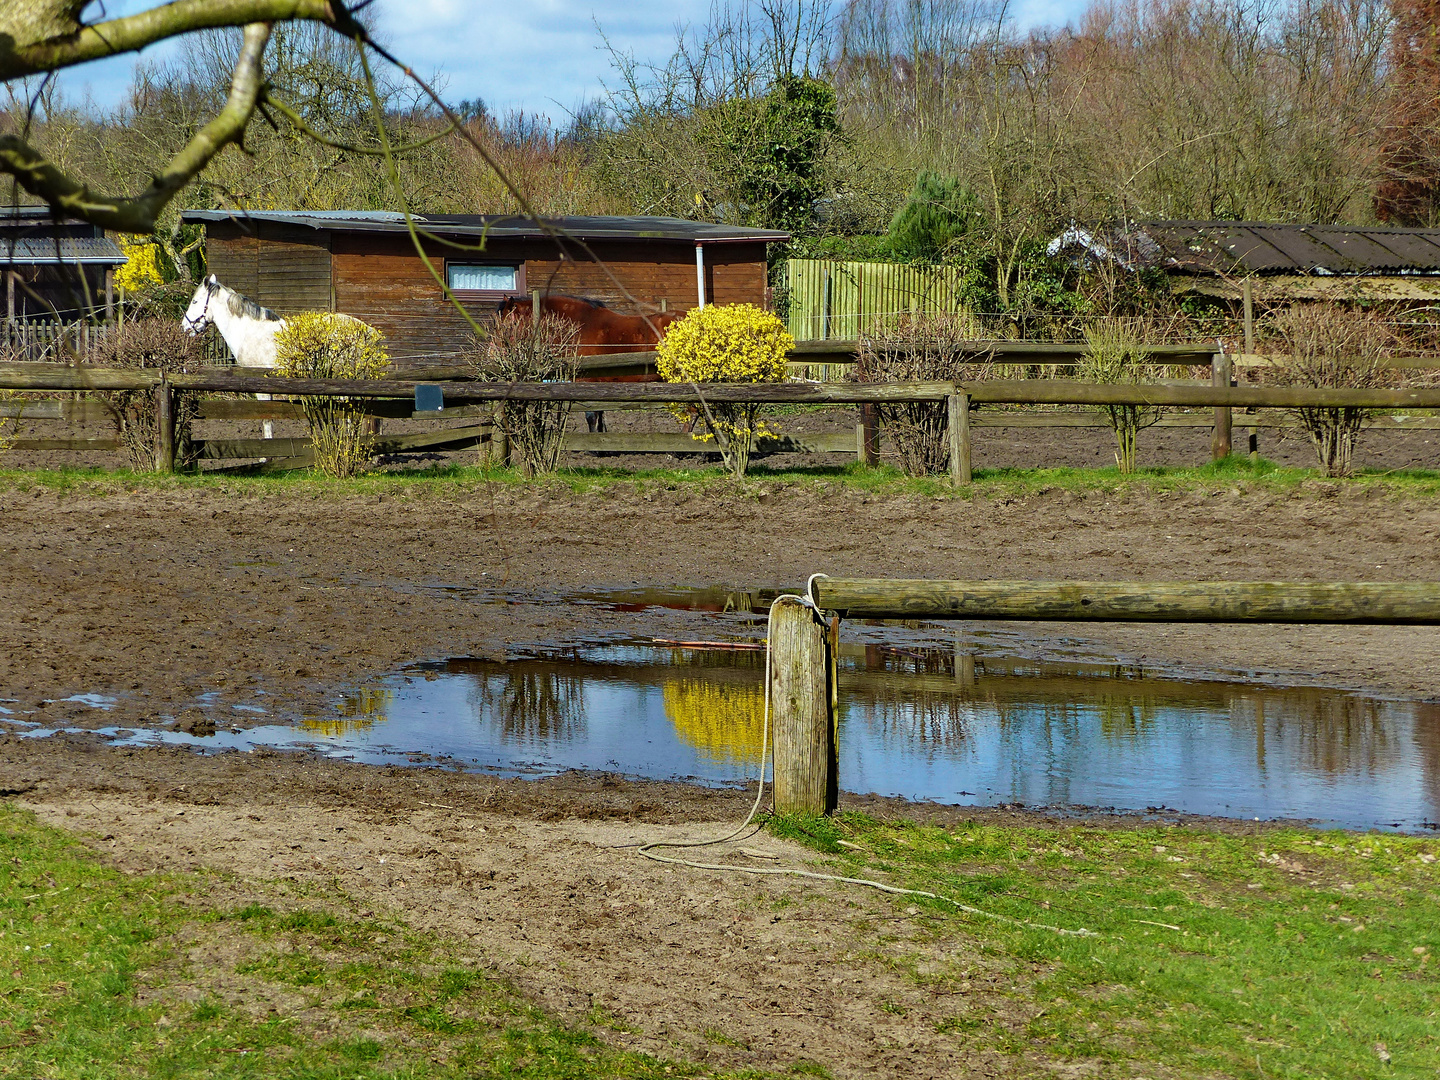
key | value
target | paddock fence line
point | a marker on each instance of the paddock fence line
(958, 397)
(804, 640)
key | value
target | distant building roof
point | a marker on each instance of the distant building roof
(505, 226)
(1241, 248)
(59, 250)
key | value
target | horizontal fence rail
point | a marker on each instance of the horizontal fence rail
(396, 397)
(1091, 601)
(1009, 392)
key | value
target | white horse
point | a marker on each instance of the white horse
(247, 327)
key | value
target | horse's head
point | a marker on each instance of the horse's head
(198, 316)
(512, 303)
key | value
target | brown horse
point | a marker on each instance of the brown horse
(603, 331)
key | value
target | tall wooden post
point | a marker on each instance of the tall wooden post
(110, 294)
(1220, 376)
(164, 426)
(535, 307)
(959, 427)
(802, 719)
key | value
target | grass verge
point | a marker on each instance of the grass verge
(1237, 474)
(104, 975)
(1285, 953)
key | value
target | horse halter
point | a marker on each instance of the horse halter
(198, 323)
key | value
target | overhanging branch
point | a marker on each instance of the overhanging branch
(41, 178)
(37, 36)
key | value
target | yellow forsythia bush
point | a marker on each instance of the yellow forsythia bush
(326, 345)
(141, 271)
(737, 343)
(725, 343)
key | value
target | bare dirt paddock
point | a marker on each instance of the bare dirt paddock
(162, 593)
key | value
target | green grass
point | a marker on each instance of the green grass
(108, 976)
(1287, 953)
(1235, 473)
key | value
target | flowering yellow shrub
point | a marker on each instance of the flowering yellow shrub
(326, 345)
(725, 343)
(726, 723)
(142, 265)
(737, 343)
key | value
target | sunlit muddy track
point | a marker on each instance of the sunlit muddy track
(160, 595)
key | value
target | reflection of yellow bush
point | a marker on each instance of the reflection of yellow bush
(355, 713)
(724, 722)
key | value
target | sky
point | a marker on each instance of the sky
(542, 56)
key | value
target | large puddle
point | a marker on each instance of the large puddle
(951, 724)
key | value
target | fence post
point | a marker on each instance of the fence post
(870, 433)
(1220, 376)
(164, 426)
(959, 437)
(535, 307)
(800, 710)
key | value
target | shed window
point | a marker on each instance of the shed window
(482, 277)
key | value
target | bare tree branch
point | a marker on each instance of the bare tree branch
(138, 215)
(46, 35)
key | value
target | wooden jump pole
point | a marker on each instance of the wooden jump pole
(1368, 602)
(801, 711)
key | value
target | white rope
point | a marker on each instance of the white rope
(649, 851)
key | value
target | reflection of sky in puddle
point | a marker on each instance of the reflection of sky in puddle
(95, 701)
(920, 723)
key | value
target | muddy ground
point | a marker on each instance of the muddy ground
(158, 595)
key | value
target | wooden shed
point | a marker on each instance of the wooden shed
(55, 269)
(1283, 262)
(364, 263)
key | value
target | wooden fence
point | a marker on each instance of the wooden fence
(47, 341)
(804, 638)
(843, 299)
(959, 398)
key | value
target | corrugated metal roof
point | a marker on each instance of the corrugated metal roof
(500, 225)
(1244, 247)
(57, 250)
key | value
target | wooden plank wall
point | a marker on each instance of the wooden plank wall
(379, 278)
(286, 268)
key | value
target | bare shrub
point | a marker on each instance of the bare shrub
(149, 345)
(921, 348)
(523, 349)
(13, 404)
(1331, 347)
(326, 345)
(1115, 355)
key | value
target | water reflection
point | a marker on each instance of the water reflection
(354, 712)
(531, 704)
(725, 722)
(949, 724)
